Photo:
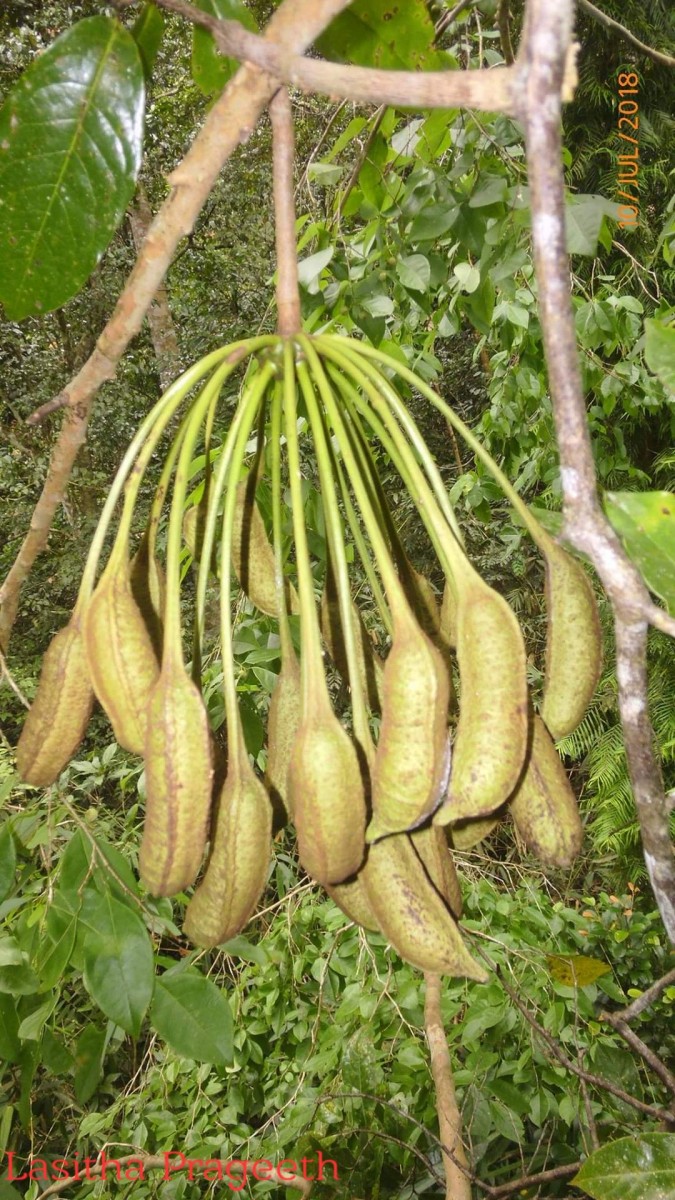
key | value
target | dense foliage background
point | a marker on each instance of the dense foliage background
(413, 228)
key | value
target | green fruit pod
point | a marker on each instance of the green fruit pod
(178, 783)
(253, 555)
(410, 767)
(431, 846)
(544, 808)
(411, 913)
(352, 898)
(148, 588)
(370, 665)
(283, 721)
(60, 712)
(326, 797)
(238, 863)
(465, 835)
(491, 741)
(122, 662)
(573, 643)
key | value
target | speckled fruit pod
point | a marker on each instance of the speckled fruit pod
(412, 750)
(352, 898)
(491, 741)
(238, 864)
(60, 712)
(464, 835)
(543, 807)
(148, 588)
(431, 845)
(326, 797)
(253, 556)
(122, 662)
(411, 913)
(573, 643)
(370, 665)
(178, 783)
(282, 727)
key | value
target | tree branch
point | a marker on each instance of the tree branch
(455, 1163)
(642, 1002)
(636, 1043)
(541, 63)
(490, 90)
(153, 1162)
(293, 27)
(289, 321)
(610, 23)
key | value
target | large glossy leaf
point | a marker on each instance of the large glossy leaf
(384, 33)
(193, 1016)
(70, 149)
(640, 1168)
(660, 351)
(119, 967)
(88, 1062)
(645, 521)
(211, 70)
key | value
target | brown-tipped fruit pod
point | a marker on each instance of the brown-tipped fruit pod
(411, 913)
(573, 643)
(431, 846)
(412, 758)
(60, 712)
(282, 727)
(236, 872)
(178, 782)
(148, 588)
(122, 661)
(253, 555)
(326, 797)
(544, 808)
(370, 665)
(491, 742)
(352, 898)
(464, 835)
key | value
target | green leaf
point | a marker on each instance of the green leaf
(193, 1016)
(583, 222)
(31, 1027)
(71, 134)
(76, 864)
(10, 1047)
(240, 947)
(645, 522)
(88, 1062)
(468, 276)
(660, 351)
(118, 960)
(55, 1056)
(310, 268)
(7, 860)
(211, 70)
(414, 272)
(55, 950)
(632, 1168)
(147, 34)
(382, 33)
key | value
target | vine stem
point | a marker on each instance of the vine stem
(289, 321)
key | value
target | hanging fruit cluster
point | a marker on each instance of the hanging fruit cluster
(375, 817)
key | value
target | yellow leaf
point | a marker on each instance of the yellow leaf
(575, 970)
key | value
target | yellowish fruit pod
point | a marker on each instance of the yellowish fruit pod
(60, 712)
(464, 835)
(178, 782)
(326, 797)
(543, 807)
(411, 913)
(573, 642)
(370, 665)
(409, 773)
(253, 554)
(283, 720)
(236, 872)
(448, 622)
(122, 662)
(431, 846)
(352, 898)
(491, 742)
(148, 588)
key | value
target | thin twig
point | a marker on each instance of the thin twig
(541, 64)
(504, 27)
(292, 28)
(636, 1043)
(647, 998)
(5, 673)
(456, 1164)
(528, 1181)
(625, 33)
(289, 319)
(153, 1162)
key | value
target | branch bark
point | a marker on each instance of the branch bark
(455, 1162)
(657, 55)
(541, 63)
(289, 320)
(162, 328)
(292, 28)
(155, 1162)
